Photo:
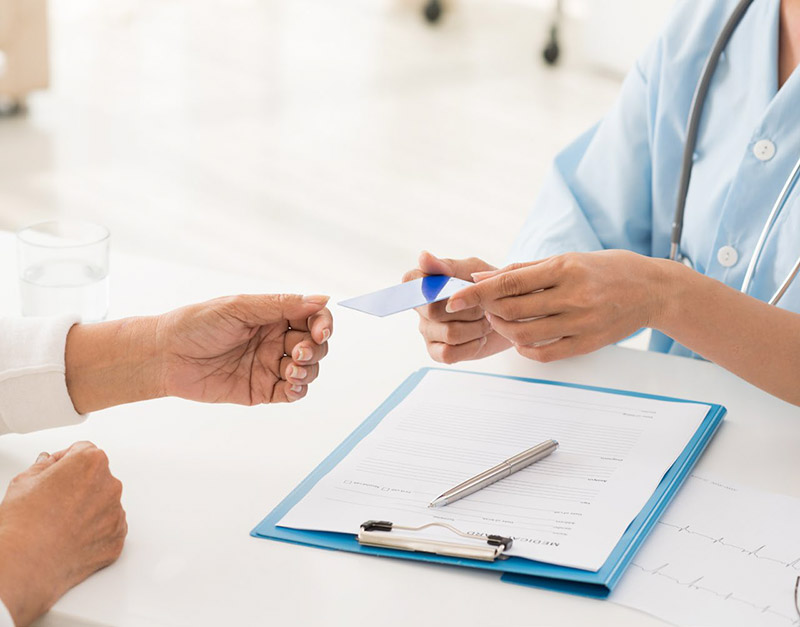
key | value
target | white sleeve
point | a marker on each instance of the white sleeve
(33, 386)
(5, 616)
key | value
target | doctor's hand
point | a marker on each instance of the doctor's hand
(60, 521)
(453, 337)
(247, 350)
(568, 304)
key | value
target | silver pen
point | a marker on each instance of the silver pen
(501, 471)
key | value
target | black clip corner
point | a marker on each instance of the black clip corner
(500, 541)
(377, 525)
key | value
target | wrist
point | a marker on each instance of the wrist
(145, 365)
(111, 363)
(669, 278)
(26, 587)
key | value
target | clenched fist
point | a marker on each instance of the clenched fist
(60, 521)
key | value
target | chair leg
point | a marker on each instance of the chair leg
(432, 11)
(552, 50)
(10, 107)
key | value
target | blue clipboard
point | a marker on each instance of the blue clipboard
(518, 570)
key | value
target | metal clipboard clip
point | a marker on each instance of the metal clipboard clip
(485, 548)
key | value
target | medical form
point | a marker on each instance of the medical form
(570, 509)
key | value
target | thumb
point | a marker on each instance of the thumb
(430, 264)
(459, 268)
(269, 308)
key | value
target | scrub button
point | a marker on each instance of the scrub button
(764, 150)
(727, 256)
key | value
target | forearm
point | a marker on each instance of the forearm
(111, 363)
(756, 341)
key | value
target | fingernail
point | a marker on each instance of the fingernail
(326, 333)
(296, 372)
(316, 299)
(303, 354)
(42, 456)
(296, 389)
(477, 276)
(454, 305)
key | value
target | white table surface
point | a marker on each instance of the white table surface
(199, 477)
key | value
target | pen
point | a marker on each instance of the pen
(501, 471)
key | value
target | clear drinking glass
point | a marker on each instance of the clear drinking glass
(63, 269)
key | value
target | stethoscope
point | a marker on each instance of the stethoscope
(698, 101)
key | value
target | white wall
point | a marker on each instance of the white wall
(615, 32)
(608, 34)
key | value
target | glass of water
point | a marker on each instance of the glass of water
(63, 269)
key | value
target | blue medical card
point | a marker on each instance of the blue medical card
(392, 300)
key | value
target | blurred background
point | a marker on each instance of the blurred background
(316, 142)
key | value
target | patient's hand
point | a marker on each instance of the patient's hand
(60, 521)
(247, 349)
(251, 349)
(455, 337)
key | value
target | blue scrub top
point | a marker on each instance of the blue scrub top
(616, 185)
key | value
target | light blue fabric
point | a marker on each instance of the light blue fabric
(616, 185)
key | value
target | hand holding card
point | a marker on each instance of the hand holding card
(449, 337)
(460, 336)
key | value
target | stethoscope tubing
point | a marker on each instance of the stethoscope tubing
(693, 126)
(687, 161)
(762, 240)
